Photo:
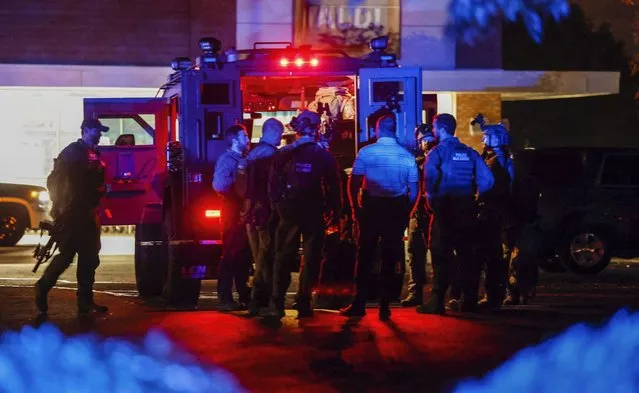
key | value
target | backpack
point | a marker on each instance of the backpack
(299, 176)
(56, 185)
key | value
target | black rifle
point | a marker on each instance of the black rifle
(43, 253)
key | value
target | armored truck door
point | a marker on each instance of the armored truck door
(133, 151)
(378, 86)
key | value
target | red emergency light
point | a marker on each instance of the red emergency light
(213, 214)
(299, 62)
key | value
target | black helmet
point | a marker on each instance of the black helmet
(306, 119)
(425, 132)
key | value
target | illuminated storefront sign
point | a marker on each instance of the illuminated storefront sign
(346, 24)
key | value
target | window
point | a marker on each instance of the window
(140, 126)
(620, 170)
(215, 93)
(382, 91)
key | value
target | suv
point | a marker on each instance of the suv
(22, 207)
(588, 206)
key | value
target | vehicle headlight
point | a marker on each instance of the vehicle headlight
(43, 197)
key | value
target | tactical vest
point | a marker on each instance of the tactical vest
(458, 171)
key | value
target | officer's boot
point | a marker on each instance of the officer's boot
(512, 297)
(41, 294)
(276, 309)
(304, 307)
(356, 309)
(384, 310)
(86, 305)
(414, 298)
(435, 305)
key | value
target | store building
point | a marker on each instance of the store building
(52, 57)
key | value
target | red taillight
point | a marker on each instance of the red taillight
(314, 62)
(284, 62)
(299, 62)
(213, 214)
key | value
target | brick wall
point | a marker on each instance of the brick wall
(467, 107)
(110, 32)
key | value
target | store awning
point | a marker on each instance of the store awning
(520, 85)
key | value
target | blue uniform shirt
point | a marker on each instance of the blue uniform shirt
(387, 167)
(225, 170)
(452, 169)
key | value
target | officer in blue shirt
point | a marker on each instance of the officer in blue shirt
(494, 212)
(235, 264)
(453, 174)
(76, 185)
(383, 189)
(260, 219)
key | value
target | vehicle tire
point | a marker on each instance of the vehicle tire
(150, 260)
(586, 250)
(13, 224)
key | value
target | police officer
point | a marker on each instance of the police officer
(304, 189)
(235, 263)
(261, 221)
(494, 211)
(387, 174)
(78, 178)
(418, 225)
(453, 174)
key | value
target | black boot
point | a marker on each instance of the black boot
(89, 306)
(435, 305)
(41, 294)
(412, 300)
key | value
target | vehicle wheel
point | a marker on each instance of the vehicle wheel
(13, 224)
(586, 250)
(150, 260)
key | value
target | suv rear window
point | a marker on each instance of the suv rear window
(553, 168)
(620, 170)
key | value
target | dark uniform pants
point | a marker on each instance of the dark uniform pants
(382, 222)
(452, 237)
(489, 251)
(236, 259)
(287, 239)
(81, 236)
(262, 242)
(418, 230)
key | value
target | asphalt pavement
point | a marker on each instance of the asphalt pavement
(328, 353)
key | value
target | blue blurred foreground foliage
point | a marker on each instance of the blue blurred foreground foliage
(582, 359)
(469, 20)
(45, 360)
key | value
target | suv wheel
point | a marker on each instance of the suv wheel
(586, 250)
(12, 225)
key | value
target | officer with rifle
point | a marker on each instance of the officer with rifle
(419, 224)
(76, 185)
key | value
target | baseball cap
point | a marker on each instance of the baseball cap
(94, 123)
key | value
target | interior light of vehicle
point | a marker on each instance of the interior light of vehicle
(213, 214)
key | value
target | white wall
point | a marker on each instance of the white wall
(423, 42)
(263, 20)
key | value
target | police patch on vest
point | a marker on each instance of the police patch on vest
(460, 157)
(303, 167)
